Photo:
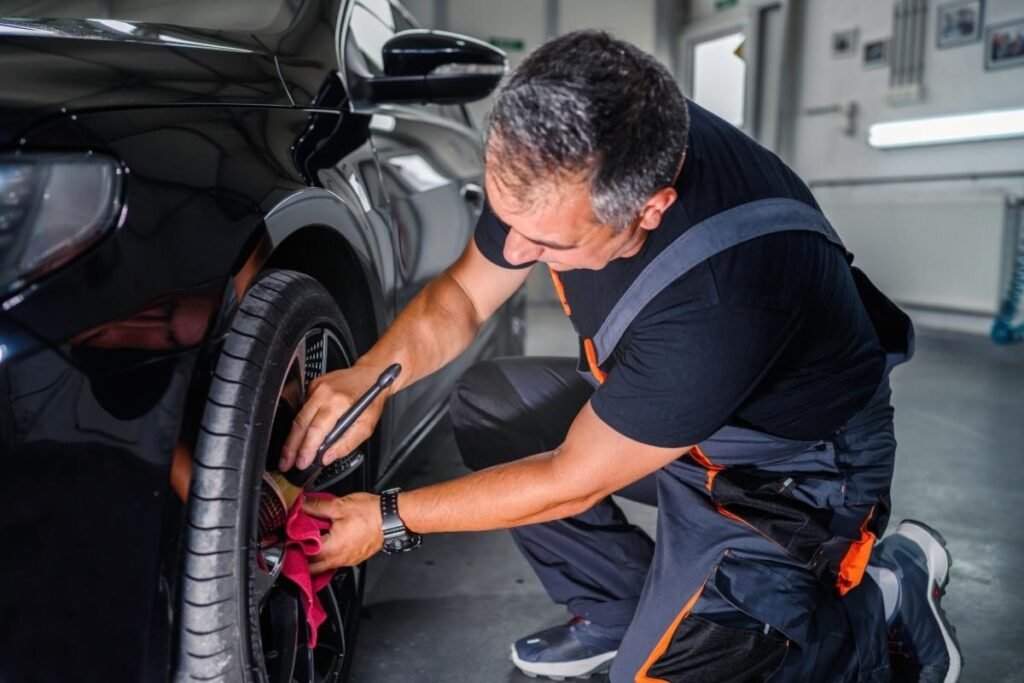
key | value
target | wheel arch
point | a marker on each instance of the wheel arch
(317, 233)
(318, 251)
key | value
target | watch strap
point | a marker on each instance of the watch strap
(397, 539)
(391, 523)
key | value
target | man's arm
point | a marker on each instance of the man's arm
(594, 462)
(436, 326)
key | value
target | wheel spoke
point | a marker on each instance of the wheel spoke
(269, 563)
(324, 337)
(293, 391)
(281, 644)
(299, 362)
(310, 665)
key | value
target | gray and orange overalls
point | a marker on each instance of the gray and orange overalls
(762, 541)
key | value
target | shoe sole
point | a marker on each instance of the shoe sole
(938, 560)
(559, 671)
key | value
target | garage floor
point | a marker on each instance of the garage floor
(449, 611)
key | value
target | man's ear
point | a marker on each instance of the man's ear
(656, 206)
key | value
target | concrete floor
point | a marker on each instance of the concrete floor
(449, 611)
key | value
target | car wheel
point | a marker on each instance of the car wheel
(240, 619)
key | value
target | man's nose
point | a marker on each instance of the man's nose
(519, 250)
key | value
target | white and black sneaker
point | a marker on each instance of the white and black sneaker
(922, 643)
(578, 649)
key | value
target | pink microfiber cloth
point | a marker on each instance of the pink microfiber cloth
(303, 541)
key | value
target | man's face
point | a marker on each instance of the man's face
(561, 229)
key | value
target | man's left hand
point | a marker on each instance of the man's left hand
(355, 534)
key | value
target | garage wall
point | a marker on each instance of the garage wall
(940, 248)
(632, 21)
(423, 10)
(955, 82)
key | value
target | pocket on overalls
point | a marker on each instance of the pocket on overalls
(739, 627)
(769, 503)
(803, 514)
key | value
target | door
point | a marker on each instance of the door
(731, 65)
(719, 73)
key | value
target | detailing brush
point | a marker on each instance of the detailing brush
(291, 483)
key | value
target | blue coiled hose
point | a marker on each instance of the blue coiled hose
(1003, 329)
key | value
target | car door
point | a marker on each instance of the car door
(431, 168)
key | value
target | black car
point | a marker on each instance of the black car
(205, 205)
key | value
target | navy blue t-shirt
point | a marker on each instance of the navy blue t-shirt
(770, 334)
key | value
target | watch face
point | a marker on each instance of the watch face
(402, 544)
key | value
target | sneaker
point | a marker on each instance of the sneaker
(575, 650)
(922, 643)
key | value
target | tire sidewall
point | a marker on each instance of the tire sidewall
(281, 307)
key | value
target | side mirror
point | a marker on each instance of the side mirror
(434, 66)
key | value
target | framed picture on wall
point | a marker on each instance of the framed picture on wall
(958, 23)
(1004, 45)
(876, 54)
(844, 43)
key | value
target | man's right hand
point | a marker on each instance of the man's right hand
(436, 326)
(328, 398)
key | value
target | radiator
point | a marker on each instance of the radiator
(936, 250)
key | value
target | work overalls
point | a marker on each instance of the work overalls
(762, 541)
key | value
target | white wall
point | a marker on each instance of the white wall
(524, 19)
(935, 247)
(423, 10)
(632, 21)
(955, 81)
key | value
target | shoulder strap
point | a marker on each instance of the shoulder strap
(698, 244)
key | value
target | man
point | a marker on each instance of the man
(733, 372)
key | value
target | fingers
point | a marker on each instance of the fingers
(320, 566)
(312, 423)
(327, 401)
(355, 533)
(356, 435)
(290, 450)
(317, 429)
(325, 508)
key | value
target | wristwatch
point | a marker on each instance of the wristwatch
(397, 539)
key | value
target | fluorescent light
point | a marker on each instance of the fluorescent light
(988, 125)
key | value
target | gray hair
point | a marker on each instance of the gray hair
(586, 105)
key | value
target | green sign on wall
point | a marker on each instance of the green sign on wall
(507, 44)
(725, 4)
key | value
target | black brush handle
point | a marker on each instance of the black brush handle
(304, 477)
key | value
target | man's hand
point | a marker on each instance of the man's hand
(355, 533)
(436, 326)
(329, 397)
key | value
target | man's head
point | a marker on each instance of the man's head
(583, 144)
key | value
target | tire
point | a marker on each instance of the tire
(239, 621)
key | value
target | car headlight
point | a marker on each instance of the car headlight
(52, 207)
